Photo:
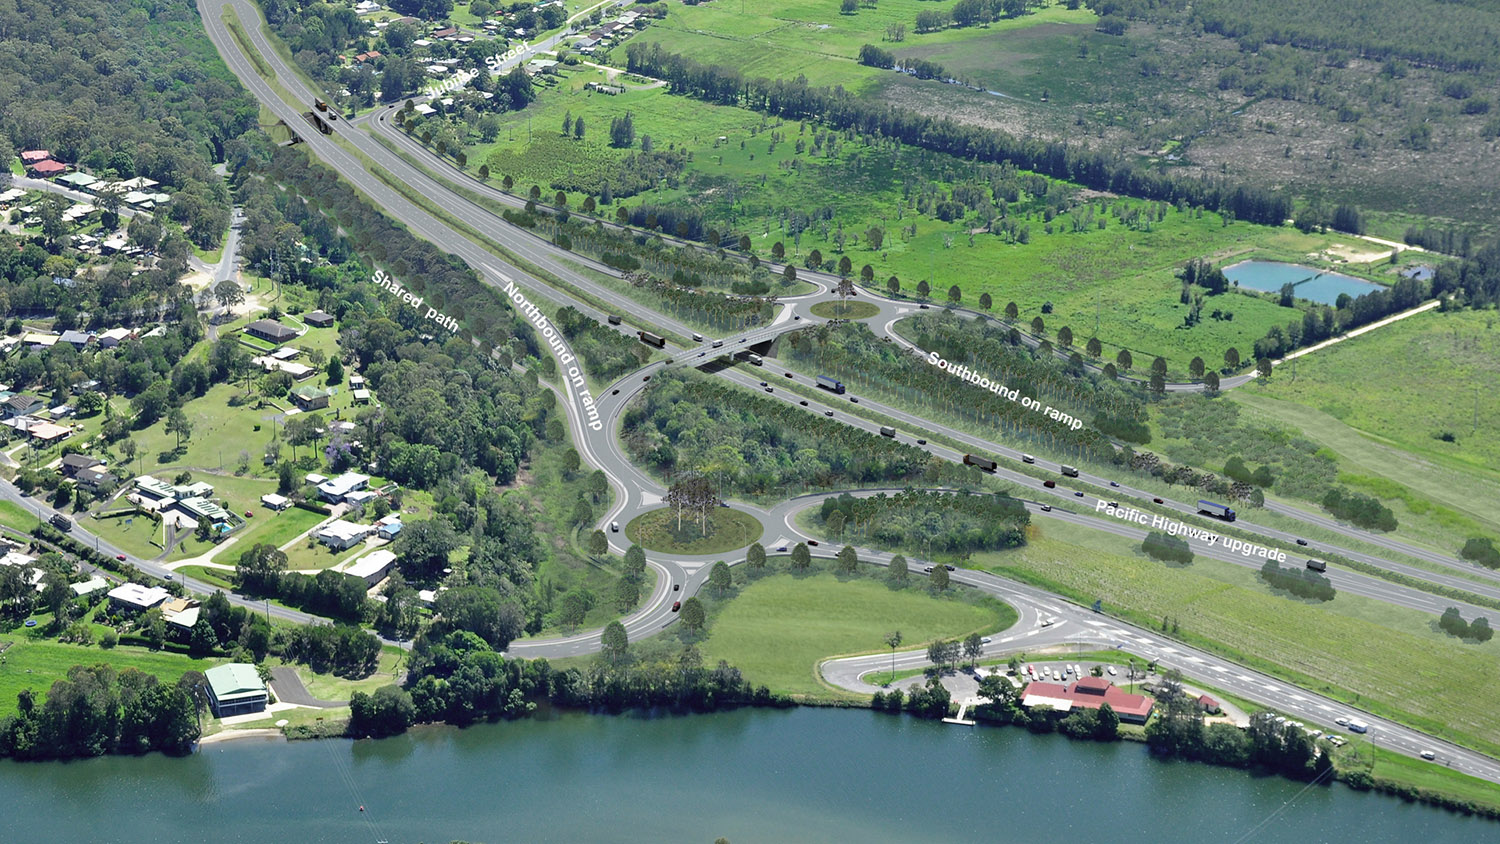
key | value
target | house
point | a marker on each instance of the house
(1089, 693)
(160, 489)
(340, 535)
(134, 597)
(1208, 704)
(90, 586)
(181, 613)
(447, 32)
(235, 688)
(336, 489)
(356, 381)
(48, 169)
(318, 319)
(272, 501)
(388, 527)
(372, 567)
(9, 196)
(367, 57)
(72, 464)
(310, 397)
(79, 339)
(22, 405)
(48, 433)
(77, 181)
(36, 340)
(361, 396)
(298, 371)
(270, 330)
(113, 337)
(34, 156)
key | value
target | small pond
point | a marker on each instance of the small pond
(1312, 284)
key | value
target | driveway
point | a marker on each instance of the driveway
(289, 689)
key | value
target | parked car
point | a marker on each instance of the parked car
(1110, 670)
(249, 514)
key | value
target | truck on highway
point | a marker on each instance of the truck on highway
(750, 357)
(984, 463)
(615, 319)
(1068, 471)
(1218, 511)
(1317, 565)
(652, 339)
(831, 384)
(887, 431)
(1358, 727)
(61, 522)
(320, 105)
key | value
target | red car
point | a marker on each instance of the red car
(676, 605)
(120, 557)
(1158, 501)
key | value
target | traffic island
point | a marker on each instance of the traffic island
(721, 530)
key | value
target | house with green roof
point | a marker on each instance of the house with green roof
(309, 397)
(235, 688)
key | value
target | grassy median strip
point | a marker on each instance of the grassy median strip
(232, 23)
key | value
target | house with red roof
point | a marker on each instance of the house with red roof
(32, 156)
(47, 169)
(1208, 704)
(1089, 693)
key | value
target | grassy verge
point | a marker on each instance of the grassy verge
(1383, 659)
(212, 577)
(727, 530)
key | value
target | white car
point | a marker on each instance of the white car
(1056, 676)
(1111, 670)
(1341, 721)
(1077, 670)
(1429, 755)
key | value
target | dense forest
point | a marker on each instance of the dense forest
(757, 446)
(957, 523)
(124, 89)
(606, 354)
(842, 110)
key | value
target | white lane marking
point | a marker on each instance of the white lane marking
(1299, 698)
(1219, 668)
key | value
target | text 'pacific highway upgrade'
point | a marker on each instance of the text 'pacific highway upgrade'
(1173, 527)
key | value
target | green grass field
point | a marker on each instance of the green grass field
(311, 554)
(777, 629)
(213, 577)
(269, 527)
(1120, 279)
(1392, 661)
(728, 529)
(142, 536)
(1359, 399)
(36, 664)
(787, 38)
(15, 516)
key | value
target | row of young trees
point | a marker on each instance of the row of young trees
(797, 100)
(853, 352)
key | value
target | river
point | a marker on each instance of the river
(801, 775)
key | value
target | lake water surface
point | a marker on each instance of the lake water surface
(801, 775)
(1312, 284)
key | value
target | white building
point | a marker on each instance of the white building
(335, 489)
(340, 535)
(134, 596)
(372, 567)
